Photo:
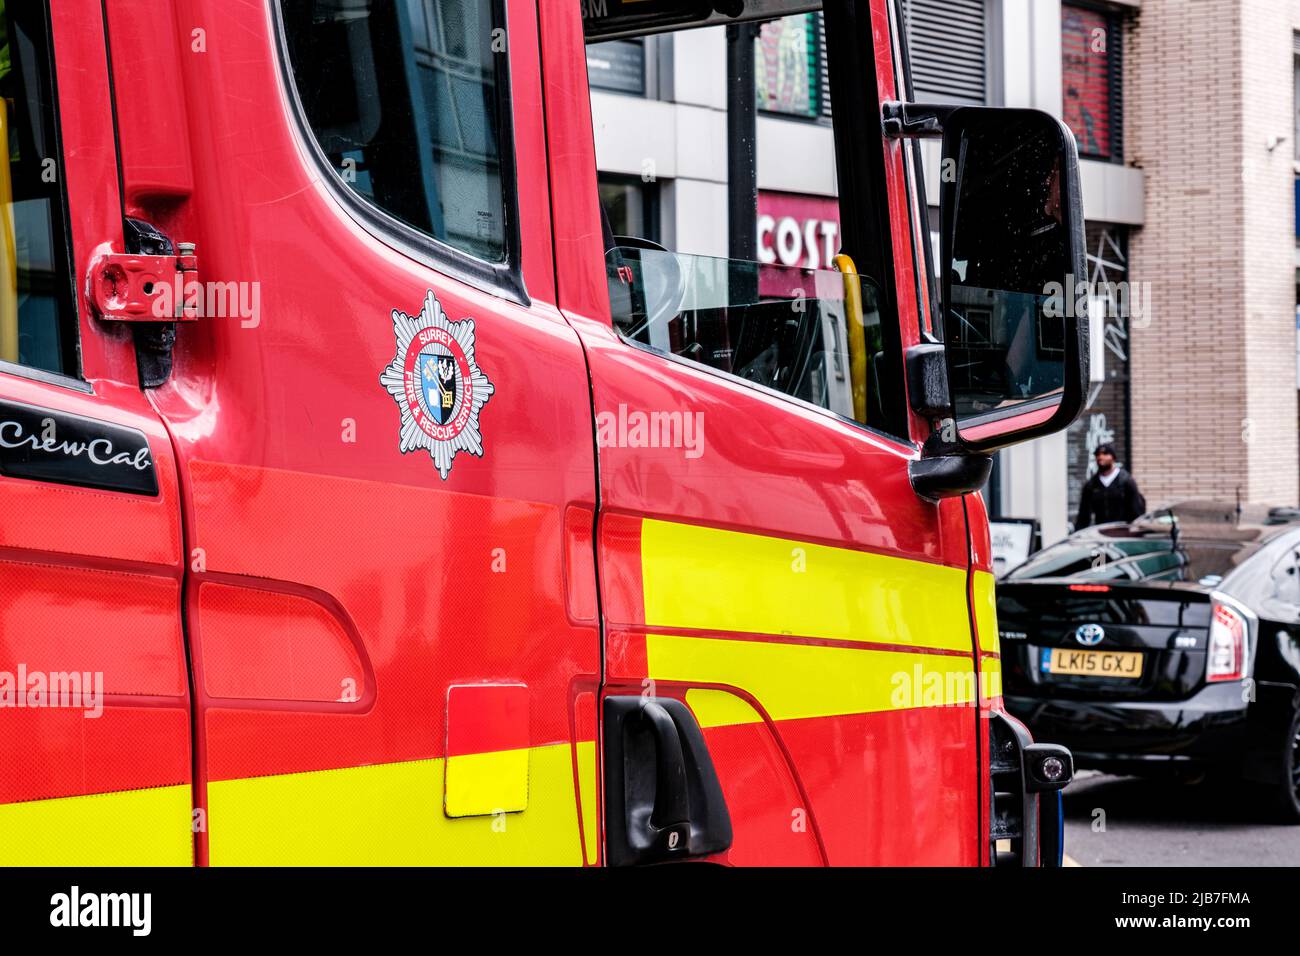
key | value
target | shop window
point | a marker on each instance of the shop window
(1295, 103)
(790, 66)
(1295, 38)
(1090, 61)
(631, 205)
(618, 66)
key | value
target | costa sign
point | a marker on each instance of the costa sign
(796, 230)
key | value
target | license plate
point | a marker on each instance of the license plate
(1065, 660)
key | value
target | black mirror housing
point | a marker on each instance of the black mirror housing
(1012, 266)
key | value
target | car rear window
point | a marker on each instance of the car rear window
(1149, 559)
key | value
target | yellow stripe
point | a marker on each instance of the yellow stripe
(709, 579)
(391, 814)
(587, 789)
(792, 681)
(487, 783)
(130, 828)
(991, 676)
(720, 708)
(986, 611)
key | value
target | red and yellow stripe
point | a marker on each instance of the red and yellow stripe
(392, 815)
(848, 676)
(756, 629)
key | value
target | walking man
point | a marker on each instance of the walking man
(1109, 495)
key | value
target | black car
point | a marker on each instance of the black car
(1168, 644)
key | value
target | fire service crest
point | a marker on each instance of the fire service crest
(437, 385)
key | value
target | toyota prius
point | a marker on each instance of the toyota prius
(1171, 644)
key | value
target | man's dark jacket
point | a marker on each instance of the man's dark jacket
(1120, 502)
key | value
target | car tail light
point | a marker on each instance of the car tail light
(1226, 656)
(1094, 588)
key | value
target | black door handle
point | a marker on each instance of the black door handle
(662, 796)
(669, 816)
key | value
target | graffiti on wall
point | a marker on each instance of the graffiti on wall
(1106, 420)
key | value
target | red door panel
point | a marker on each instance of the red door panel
(95, 724)
(340, 583)
(786, 582)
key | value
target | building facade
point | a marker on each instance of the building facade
(1213, 123)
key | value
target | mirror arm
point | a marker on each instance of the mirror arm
(947, 470)
(927, 380)
(914, 120)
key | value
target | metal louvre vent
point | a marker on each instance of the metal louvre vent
(825, 70)
(948, 48)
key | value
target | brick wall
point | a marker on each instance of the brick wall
(1207, 84)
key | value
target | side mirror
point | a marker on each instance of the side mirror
(1012, 268)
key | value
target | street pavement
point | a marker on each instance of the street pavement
(1166, 823)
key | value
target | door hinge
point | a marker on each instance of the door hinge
(126, 287)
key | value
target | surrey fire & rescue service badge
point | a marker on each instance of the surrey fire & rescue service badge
(437, 384)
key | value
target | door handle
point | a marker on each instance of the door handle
(662, 796)
(668, 817)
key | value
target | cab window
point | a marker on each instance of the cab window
(37, 311)
(798, 305)
(812, 334)
(405, 99)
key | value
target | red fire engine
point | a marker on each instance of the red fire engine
(365, 498)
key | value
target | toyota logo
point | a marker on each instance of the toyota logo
(1090, 635)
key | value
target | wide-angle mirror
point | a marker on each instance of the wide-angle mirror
(1012, 263)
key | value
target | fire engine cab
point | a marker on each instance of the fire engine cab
(367, 497)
